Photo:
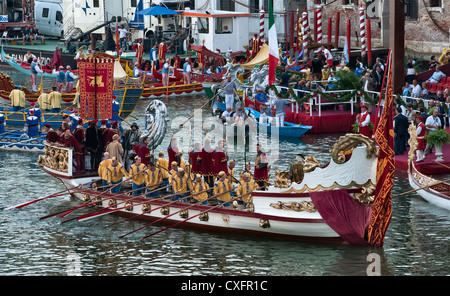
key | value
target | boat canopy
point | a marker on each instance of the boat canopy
(262, 57)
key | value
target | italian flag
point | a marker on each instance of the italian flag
(274, 54)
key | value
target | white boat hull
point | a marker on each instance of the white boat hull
(430, 194)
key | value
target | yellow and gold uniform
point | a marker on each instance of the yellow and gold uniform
(17, 97)
(153, 178)
(55, 98)
(163, 165)
(103, 169)
(116, 173)
(200, 186)
(138, 173)
(221, 187)
(245, 188)
(180, 184)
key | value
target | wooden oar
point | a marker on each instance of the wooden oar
(193, 205)
(143, 213)
(124, 193)
(104, 211)
(21, 205)
(176, 201)
(424, 187)
(173, 225)
(84, 205)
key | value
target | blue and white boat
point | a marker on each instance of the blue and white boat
(289, 130)
(19, 140)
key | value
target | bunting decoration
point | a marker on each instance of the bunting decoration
(384, 137)
(96, 88)
(274, 54)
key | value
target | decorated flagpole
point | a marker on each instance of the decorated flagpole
(319, 27)
(369, 43)
(329, 33)
(305, 36)
(261, 26)
(362, 28)
(336, 36)
(348, 38)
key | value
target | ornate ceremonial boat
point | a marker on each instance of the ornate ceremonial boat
(332, 203)
(19, 140)
(434, 191)
(25, 68)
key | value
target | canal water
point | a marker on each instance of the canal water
(416, 243)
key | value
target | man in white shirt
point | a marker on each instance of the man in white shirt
(328, 56)
(123, 38)
(416, 89)
(431, 124)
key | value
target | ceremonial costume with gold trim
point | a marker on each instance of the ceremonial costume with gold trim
(115, 175)
(17, 98)
(180, 187)
(54, 99)
(199, 187)
(164, 164)
(152, 179)
(245, 188)
(103, 171)
(221, 187)
(138, 179)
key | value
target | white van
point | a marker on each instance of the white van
(48, 15)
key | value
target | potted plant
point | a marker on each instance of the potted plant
(437, 139)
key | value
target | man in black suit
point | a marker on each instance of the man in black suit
(400, 131)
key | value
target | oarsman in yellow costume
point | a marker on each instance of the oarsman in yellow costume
(17, 97)
(55, 98)
(199, 185)
(245, 188)
(188, 169)
(180, 160)
(173, 171)
(153, 179)
(231, 171)
(103, 170)
(137, 176)
(163, 163)
(180, 185)
(116, 172)
(222, 185)
(44, 102)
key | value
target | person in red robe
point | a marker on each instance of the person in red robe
(68, 140)
(52, 136)
(79, 134)
(220, 159)
(207, 163)
(363, 122)
(195, 158)
(162, 50)
(261, 174)
(142, 150)
(139, 48)
(421, 142)
(173, 151)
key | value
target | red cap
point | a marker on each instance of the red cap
(103, 122)
(364, 106)
(48, 125)
(420, 117)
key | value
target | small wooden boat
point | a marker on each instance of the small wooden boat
(430, 189)
(289, 130)
(433, 191)
(19, 140)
